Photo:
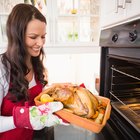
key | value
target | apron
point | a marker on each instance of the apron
(7, 107)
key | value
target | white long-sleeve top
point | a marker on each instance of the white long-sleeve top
(7, 123)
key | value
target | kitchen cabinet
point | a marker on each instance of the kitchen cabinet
(73, 22)
(3, 19)
(118, 11)
(69, 23)
(110, 13)
(133, 9)
(5, 8)
(7, 5)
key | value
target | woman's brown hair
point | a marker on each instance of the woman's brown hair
(15, 55)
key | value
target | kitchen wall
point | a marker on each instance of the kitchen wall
(73, 67)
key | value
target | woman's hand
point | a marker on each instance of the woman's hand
(38, 117)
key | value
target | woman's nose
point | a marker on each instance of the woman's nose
(40, 42)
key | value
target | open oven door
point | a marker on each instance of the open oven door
(120, 79)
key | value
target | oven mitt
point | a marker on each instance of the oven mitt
(82, 85)
(37, 117)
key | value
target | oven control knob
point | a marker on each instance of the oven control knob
(115, 37)
(133, 35)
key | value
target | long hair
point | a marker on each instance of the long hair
(16, 53)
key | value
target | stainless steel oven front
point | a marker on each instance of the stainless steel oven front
(120, 79)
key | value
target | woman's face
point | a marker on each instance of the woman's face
(35, 37)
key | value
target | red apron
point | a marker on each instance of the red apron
(6, 110)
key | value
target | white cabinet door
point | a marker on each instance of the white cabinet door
(133, 9)
(7, 5)
(118, 11)
(112, 12)
(79, 19)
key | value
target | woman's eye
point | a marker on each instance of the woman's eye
(43, 37)
(33, 37)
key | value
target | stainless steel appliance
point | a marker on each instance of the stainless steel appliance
(120, 79)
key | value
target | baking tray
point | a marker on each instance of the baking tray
(80, 121)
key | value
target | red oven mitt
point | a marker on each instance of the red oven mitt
(82, 85)
(37, 117)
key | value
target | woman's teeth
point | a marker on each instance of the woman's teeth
(36, 49)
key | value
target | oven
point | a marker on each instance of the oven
(120, 79)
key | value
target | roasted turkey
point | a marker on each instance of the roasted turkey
(78, 100)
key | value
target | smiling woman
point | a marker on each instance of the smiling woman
(23, 76)
(35, 37)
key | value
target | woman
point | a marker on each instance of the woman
(23, 76)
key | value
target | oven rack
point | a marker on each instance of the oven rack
(128, 114)
(128, 109)
(133, 72)
(125, 93)
(125, 81)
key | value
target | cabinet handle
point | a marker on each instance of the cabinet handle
(124, 3)
(123, 6)
(117, 6)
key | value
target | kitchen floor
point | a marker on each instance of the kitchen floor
(72, 132)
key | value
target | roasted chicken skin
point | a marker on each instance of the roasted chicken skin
(75, 98)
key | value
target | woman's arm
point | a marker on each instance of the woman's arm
(6, 123)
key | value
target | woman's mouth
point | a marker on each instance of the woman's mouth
(36, 48)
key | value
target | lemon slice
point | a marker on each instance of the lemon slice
(46, 98)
